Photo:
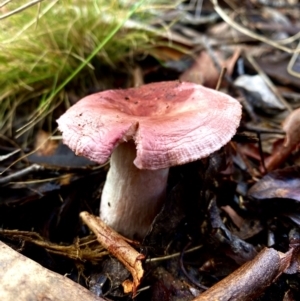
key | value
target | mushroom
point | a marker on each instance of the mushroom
(146, 130)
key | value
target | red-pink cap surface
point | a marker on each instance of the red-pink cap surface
(171, 123)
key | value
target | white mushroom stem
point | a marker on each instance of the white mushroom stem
(131, 197)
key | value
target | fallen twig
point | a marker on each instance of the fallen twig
(21, 173)
(248, 32)
(116, 245)
(251, 279)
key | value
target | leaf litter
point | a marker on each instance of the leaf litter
(228, 219)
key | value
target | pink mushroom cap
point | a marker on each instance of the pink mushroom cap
(171, 123)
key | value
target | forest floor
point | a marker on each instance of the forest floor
(229, 229)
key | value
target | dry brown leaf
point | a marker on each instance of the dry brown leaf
(23, 279)
(204, 71)
(224, 33)
(283, 183)
(166, 53)
(291, 126)
(236, 219)
(44, 146)
(275, 65)
(117, 246)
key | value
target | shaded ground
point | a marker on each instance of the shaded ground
(225, 209)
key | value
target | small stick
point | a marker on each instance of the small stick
(4, 157)
(261, 153)
(248, 32)
(19, 9)
(199, 285)
(173, 255)
(244, 283)
(117, 246)
(222, 74)
(21, 173)
(256, 129)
